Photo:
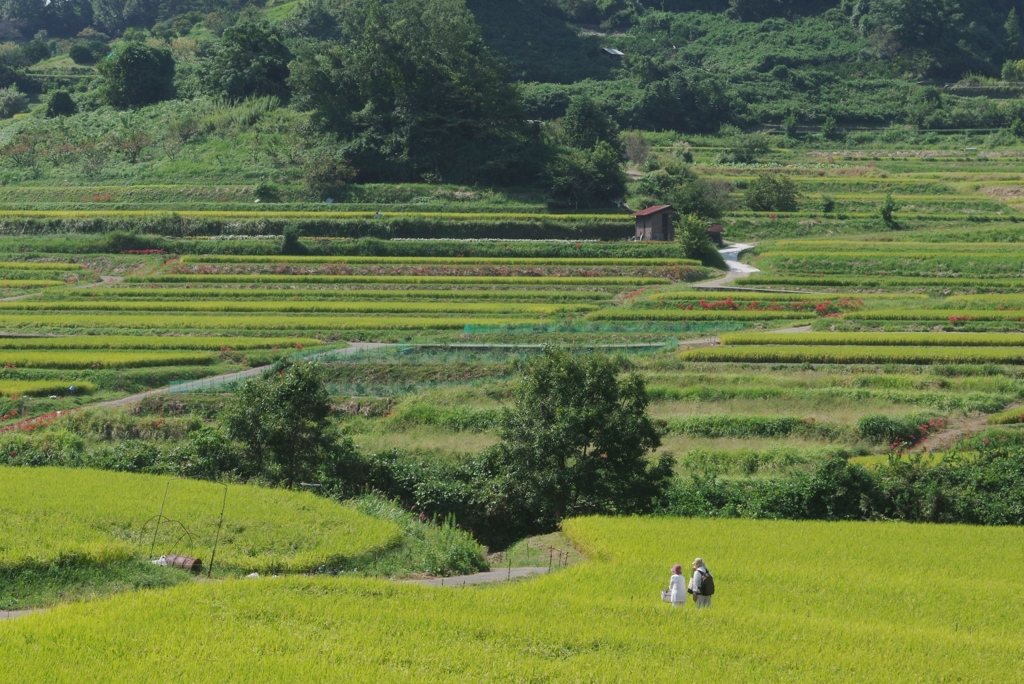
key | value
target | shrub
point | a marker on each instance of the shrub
(692, 235)
(12, 101)
(772, 192)
(60, 104)
(325, 174)
(87, 53)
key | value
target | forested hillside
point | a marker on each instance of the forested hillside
(323, 93)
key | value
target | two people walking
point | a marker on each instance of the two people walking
(701, 586)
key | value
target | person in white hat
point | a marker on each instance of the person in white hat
(700, 571)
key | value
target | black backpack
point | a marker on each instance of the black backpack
(707, 584)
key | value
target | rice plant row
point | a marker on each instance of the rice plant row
(29, 283)
(156, 342)
(876, 339)
(987, 301)
(695, 315)
(283, 293)
(689, 295)
(894, 264)
(391, 307)
(895, 247)
(888, 282)
(454, 261)
(39, 266)
(35, 388)
(197, 322)
(106, 359)
(854, 354)
(395, 280)
(951, 315)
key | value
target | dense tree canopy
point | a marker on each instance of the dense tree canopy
(137, 74)
(575, 441)
(250, 61)
(282, 420)
(414, 92)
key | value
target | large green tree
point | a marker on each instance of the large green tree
(250, 61)
(413, 92)
(282, 420)
(136, 75)
(585, 125)
(574, 441)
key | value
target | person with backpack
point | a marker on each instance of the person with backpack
(702, 585)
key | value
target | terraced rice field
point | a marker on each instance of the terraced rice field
(828, 622)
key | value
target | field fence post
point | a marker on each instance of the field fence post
(159, 517)
(216, 541)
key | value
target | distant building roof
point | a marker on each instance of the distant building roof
(715, 228)
(613, 52)
(653, 210)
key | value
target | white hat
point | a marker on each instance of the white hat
(699, 562)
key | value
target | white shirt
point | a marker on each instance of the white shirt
(677, 587)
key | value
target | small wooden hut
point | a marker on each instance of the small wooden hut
(655, 224)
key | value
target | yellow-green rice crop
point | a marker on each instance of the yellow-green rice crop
(878, 339)
(453, 261)
(309, 306)
(987, 301)
(796, 602)
(687, 295)
(154, 342)
(29, 283)
(197, 322)
(853, 354)
(50, 515)
(11, 388)
(396, 279)
(39, 266)
(934, 315)
(1012, 416)
(215, 292)
(97, 359)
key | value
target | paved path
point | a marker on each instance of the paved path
(499, 575)
(737, 269)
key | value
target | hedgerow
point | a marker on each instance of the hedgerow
(746, 427)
